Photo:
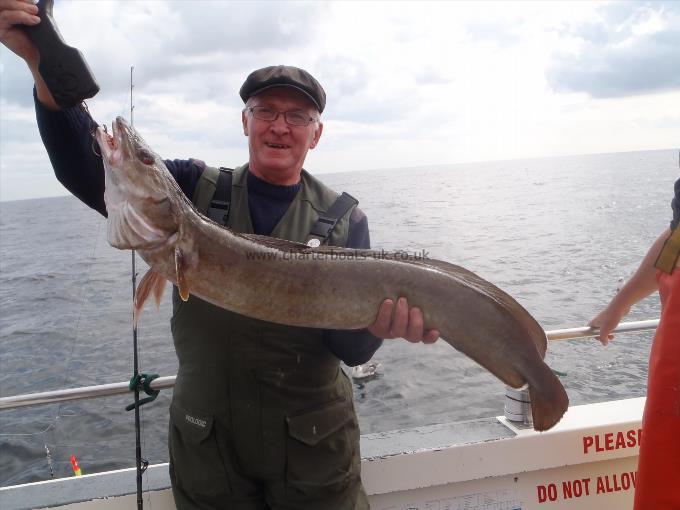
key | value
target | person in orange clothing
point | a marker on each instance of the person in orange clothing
(658, 480)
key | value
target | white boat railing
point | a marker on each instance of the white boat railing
(586, 331)
(106, 390)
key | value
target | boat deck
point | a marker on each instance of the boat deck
(588, 460)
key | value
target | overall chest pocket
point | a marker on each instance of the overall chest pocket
(323, 448)
(196, 463)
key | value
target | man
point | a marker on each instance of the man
(262, 416)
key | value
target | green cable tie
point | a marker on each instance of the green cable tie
(145, 381)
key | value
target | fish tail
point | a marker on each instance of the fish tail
(151, 282)
(549, 400)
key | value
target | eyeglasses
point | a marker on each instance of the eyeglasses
(294, 118)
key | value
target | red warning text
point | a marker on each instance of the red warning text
(616, 482)
(582, 487)
(611, 441)
(569, 489)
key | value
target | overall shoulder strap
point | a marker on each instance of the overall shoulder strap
(326, 222)
(670, 253)
(213, 193)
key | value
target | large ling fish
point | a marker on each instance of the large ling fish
(290, 283)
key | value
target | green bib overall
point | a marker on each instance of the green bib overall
(262, 415)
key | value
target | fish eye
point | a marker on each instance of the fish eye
(145, 156)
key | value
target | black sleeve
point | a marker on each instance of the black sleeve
(71, 148)
(354, 347)
(675, 204)
(76, 158)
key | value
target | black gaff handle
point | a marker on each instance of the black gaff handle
(64, 69)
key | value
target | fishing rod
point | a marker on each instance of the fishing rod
(140, 464)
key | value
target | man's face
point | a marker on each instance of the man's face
(277, 149)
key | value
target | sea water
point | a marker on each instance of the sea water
(561, 235)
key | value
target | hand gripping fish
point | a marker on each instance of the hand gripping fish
(333, 288)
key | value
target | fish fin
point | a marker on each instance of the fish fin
(276, 243)
(549, 400)
(158, 292)
(151, 282)
(180, 270)
(129, 229)
(292, 246)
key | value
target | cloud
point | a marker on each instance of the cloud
(342, 75)
(628, 52)
(432, 75)
(243, 26)
(171, 41)
(16, 82)
(408, 83)
(498, 32)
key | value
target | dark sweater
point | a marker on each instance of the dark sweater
(78, 166)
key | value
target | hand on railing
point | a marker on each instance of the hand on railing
(607, 321)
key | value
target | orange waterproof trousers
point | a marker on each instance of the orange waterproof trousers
(658, 479)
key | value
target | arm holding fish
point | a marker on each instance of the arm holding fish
(70, 147)
(407, 322)
(355, 347)
(642, 284)
(77, 161)
(66, 133)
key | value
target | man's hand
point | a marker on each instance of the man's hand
(14, 14)
(401, 322)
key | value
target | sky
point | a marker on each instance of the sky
(408, 83)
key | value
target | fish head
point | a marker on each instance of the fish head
(130, 164)
(140, 192)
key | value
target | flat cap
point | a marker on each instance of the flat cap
(284, 76)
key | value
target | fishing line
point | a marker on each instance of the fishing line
(27, 434)
(58, 415)
(76, 338)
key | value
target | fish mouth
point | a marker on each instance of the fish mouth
(122, 139)
(110, 145)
